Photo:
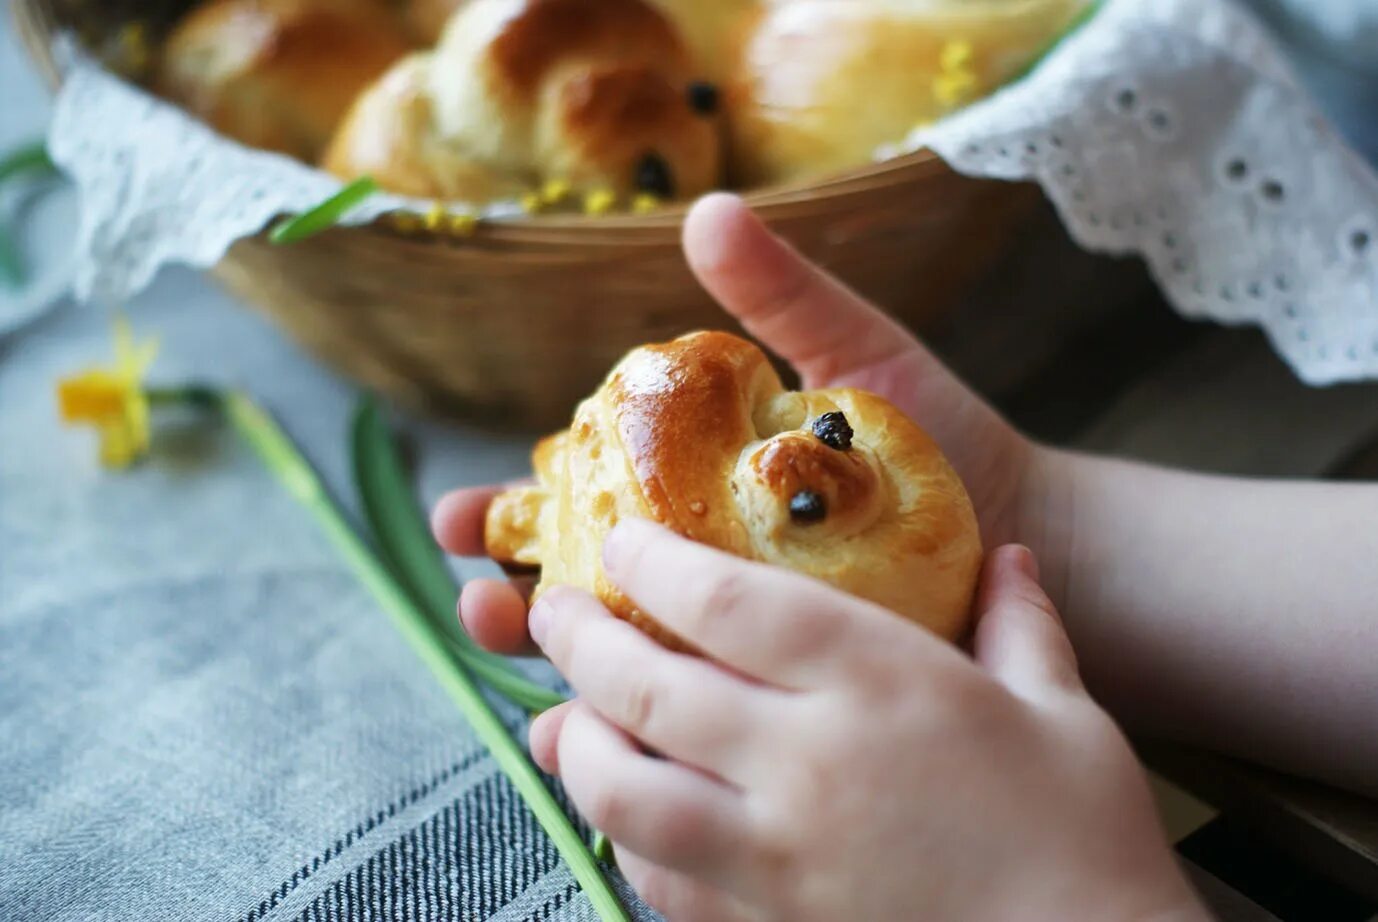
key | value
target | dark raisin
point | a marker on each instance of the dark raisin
(703, 97)
(653, 176)
(832, 430)
(807, 506)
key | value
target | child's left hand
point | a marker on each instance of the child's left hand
(841, 763)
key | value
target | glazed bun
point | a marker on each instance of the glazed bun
(700, 435)
(277, 74)
(822, 84)
(426, 18)
(712, 29)
(599, 94)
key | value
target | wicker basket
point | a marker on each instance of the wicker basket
(511, 326)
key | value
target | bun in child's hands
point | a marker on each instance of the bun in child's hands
(700, 435)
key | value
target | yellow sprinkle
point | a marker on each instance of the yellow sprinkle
(435, 218)
(531, 202)
(463, 224)
(954, 89)
(134, 47)
(599, 201)
(554, 191)
(645, 203)
(406, 222)
(955, 55)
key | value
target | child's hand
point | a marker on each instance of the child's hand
(833, 339)
(841, 763)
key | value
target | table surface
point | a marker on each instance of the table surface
(1095, 360)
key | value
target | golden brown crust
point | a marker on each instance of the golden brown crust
(821, 84)
(547, 33)
(593, 93)
(426, 19)
(712, 30)
(699, 435)
(277, 74)
(387, 135)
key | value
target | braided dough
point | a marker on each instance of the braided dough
(598, 94)
(700, 435)
(822, 84)
(278, 74)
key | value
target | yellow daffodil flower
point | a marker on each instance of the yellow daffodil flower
(112, 399)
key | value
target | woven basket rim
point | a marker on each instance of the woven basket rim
(769, 201)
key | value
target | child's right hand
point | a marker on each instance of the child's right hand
(832, 338)
(1227, 613)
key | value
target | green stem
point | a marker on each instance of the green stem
(406, 544)
(1082, 18)
(325, 215)
(32, 157)
(12, 271)
(278, 453)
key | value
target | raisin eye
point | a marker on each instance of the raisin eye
(833, 430)
(653, 175)
(703, 97)
(807, 506)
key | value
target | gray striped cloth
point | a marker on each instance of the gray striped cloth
(202, 716)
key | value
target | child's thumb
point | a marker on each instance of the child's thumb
(1020, 640)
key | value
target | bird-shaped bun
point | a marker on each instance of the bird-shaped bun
(426, 19)
(278, 74)
(709, 27)
(595, 94)
(700, 435)
(713, 30)
(822, 84)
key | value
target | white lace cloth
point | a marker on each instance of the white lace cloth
(1168, 128)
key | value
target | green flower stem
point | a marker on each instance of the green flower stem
(30, 158)
(1087, 14)
(405, 540)
(602, 849)
(325, 215)
(278, 453)
(12, 271)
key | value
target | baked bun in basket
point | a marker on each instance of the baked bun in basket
(708, 26)
(595, 94)
(277, 74)
(820, 85)
(712, 29)
(700, 435)
(426, 18)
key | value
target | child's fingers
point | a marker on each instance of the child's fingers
(493, 612)
(1019, 636)
(457, 520)
(543, 738)
(664, 811)
(769, 624)
(681, 706)
(676, 896)
(797, 310)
